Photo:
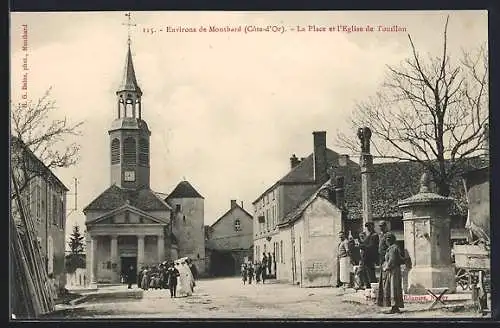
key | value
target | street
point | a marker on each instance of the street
(229, 298)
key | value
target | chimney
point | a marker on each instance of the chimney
(339, 192)
(320, 162)
(294, 161)
(233, 203)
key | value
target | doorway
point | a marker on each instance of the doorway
(126, 262)
(222, 264)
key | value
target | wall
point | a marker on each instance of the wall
(223, 235)
(188, 227)
(284, 265)
(49, 223)
(77, 278)
(322, 223)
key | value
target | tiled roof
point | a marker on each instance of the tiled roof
(396, 181)
(391, 182)
(304, 171)
(18, 145)
(296, 213)
(184, 190)
(114, 197)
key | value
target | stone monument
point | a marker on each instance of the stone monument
(427, 240)
(366, 163)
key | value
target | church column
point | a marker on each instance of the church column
(114, 255)
(140, 250)
(93, 261)
(161, 248)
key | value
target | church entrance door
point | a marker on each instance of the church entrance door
(126, 262)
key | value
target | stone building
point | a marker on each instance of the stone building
(306, 175)
(128, 223)
(229, 241)
(391, 182)
(305, 256)
(44, 197)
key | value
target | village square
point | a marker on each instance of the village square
(395, 223)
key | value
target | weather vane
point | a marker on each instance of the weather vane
(129, 24)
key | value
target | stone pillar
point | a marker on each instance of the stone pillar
(114, 257)
(93, 262)
(161, 248)
(366, 163)
(140, 251)
(427, 240)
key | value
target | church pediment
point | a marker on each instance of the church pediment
(127, 215)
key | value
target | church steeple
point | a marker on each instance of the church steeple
(129, 133)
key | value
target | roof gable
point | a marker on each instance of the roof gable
(130, 209)
(184, 190)
(296, 214)
(231, 210)
(113, 197)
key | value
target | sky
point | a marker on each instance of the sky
(226, 109)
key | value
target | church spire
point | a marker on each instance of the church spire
(129, 81)
(129, 93)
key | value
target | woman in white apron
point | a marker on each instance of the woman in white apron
(345, 268)
(185, 280)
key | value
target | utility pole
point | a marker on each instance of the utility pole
(75, 194)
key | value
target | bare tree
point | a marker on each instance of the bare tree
(39, 142)
(433, 111)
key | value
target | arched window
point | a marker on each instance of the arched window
(115, 151)
(129, 151)
(237, 225)
(143, 151)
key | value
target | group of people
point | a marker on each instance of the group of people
(358, 259)
(178, 276)
(260, 270)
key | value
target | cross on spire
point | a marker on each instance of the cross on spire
(129, 24)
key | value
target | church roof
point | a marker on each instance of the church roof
(129, 81)
(113, 197)
(184, 190)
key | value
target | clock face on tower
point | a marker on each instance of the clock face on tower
(129, 176)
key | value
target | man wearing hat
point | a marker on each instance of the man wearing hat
(370, 247)
(382, 248)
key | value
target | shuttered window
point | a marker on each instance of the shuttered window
(143, 151)
(115, 151)
(129, 151)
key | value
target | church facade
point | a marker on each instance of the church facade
(129, 224)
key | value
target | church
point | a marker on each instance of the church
(129, 223)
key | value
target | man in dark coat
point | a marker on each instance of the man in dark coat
(390, 289)
(269, 265)
(172, 274)
(263, 264)
(370, 247)
(382, 249)
(139, 277)
(131, 276)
